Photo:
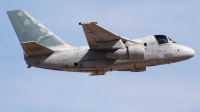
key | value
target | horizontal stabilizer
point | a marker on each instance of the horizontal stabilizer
(35, 49)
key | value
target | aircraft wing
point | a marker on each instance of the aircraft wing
(99, 38)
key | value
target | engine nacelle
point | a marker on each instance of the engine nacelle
(135, 52)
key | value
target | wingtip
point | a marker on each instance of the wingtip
(81, 23)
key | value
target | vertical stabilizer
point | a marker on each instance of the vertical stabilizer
(29, 29)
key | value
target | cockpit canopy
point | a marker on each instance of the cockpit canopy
(162, 39)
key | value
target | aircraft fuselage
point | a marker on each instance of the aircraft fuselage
(82, 59)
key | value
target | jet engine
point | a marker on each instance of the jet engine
(135, 52)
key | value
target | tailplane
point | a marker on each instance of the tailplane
(34, 49)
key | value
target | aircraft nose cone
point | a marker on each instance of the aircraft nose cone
(191, 52)
(188, 52)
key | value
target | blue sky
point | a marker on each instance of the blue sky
(174, 87)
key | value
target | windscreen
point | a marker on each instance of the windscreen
(162, 39)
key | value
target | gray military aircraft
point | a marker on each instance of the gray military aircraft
(106, 51)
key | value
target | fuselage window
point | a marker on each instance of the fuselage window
(162, 39)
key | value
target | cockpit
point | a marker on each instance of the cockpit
(162, 39)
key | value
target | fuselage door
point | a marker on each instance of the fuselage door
(151, 47)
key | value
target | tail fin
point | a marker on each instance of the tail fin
(29, 29)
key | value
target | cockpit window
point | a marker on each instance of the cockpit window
(171, 41)
(162, 39)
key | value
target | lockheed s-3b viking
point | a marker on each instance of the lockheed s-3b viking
(106, 51)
